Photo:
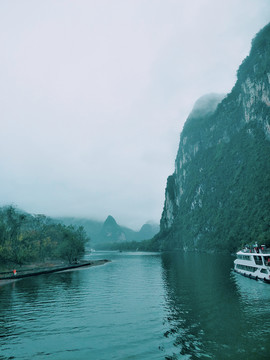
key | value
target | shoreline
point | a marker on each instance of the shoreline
(7, 276)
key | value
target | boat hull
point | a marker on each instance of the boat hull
(251, 276)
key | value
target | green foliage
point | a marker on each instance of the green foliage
(226, 190)
(236, 195)
(72, 244)
(27, 238)
(145, 245)
(235, 199)
(259, 54)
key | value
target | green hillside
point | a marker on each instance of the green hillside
(219, 195)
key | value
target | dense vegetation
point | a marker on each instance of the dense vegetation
(258, 61)
(235, 197)
(28, 238)
(225, 184)
(144, 245)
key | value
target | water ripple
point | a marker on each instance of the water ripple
(140, 306)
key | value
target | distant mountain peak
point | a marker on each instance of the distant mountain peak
(109, 232)
(110, 221)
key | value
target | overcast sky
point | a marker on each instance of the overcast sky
(94, 94)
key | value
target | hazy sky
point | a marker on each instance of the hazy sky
(94, 94)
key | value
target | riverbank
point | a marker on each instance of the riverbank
(45, 268)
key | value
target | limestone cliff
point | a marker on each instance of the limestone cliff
(219, 193)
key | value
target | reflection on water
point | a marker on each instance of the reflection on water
(106, 312)
(212, 312)
(141, 306)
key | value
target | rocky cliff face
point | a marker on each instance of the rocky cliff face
(219, 192)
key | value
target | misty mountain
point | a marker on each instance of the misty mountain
(109, 232)
(219, 194)
(92, 227)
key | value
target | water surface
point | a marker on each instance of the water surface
(139, 306)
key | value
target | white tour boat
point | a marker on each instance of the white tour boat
(254, 263)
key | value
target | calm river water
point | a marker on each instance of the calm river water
(139, 306)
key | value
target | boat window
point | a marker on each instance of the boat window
(245, 267)
(258, 260)
(267, 260)
(243, 257)
(264, 271)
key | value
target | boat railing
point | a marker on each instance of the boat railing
(265, 251)
(257, 251)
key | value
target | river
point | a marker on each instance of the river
(141, 306)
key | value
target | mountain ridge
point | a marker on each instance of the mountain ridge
(110, 232)
(218, 195)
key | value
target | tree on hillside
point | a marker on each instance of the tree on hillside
(25, 238)
(72, 244)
